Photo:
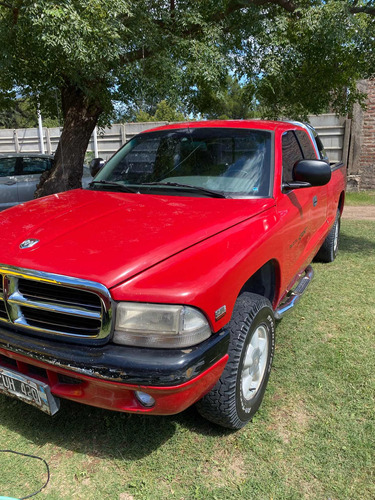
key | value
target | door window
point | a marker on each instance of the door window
(291, 154)
(35, 165)
(322, 151)
(306, 145)
(7, 166)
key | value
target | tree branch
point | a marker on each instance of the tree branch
(288, 6)
(136, 55)
(15, 10)
(233, 6)
(365, 9)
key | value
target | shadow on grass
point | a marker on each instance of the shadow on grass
(87, 430)
(96, 432)
(356, 244)
(192, 420)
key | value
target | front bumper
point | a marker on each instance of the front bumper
(108, 376)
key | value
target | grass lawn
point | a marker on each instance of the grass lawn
(360, 198)
(314, 436)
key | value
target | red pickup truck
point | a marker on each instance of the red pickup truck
(158, 286)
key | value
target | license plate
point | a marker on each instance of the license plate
(28, 390)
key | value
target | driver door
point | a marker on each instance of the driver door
(296, 211)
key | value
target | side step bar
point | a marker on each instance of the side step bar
(294, 295)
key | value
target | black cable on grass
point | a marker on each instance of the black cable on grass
(30, 456)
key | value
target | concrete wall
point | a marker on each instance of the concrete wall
(330, 128)
(109, 140)
(351, 141)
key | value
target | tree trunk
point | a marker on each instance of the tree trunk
(80, 118)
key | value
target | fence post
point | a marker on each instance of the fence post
(123, 134)
(95, 137)
(345, 147)
(16, 141)
(40, 128)
(48, 141)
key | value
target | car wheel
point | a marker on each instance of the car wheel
(240, 389)
(330, 247)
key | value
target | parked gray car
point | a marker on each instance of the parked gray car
(19, 176)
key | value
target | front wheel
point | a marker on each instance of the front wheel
(240, 389)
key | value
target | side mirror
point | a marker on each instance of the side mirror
(95, 165)
(308, 173)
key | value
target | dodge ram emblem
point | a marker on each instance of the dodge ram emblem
(28, 243)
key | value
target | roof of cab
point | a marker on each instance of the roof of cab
(253, 124)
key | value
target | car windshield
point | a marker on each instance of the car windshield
(199, 161)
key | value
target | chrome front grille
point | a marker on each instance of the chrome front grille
(54, 304)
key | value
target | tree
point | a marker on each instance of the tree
(150, 112)
(85, 55)
(233, 101)
(164, 112)
(23, 114)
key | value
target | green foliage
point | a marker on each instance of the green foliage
(289, 58)
(146, 50)
(164, 113)
(23, 114)
(234, 101)
(314, 64)
(143, 116)
(50, 45)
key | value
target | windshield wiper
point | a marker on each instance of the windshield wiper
(210, 192)
(116, 185)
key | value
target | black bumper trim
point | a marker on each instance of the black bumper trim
(130, 365)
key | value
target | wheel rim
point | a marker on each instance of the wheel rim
(255, 363)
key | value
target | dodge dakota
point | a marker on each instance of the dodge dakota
(159, 285)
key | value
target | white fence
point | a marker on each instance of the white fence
(333, 131)
(109, 140)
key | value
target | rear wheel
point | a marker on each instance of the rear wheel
(240, 389)
(328, 251)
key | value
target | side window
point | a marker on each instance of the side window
(306, 145)
(291, 154)
(322, 151)
(35, 165)
(7, 166)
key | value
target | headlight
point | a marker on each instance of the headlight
(159, 325)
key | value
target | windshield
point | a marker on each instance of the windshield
(229, 161)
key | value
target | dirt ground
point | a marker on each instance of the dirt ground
(359, 213)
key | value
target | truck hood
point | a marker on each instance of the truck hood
(110, 237)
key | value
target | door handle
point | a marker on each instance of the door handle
(315, 201)
(9, 183)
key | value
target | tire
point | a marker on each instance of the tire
(240, 389)
(328, 251)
